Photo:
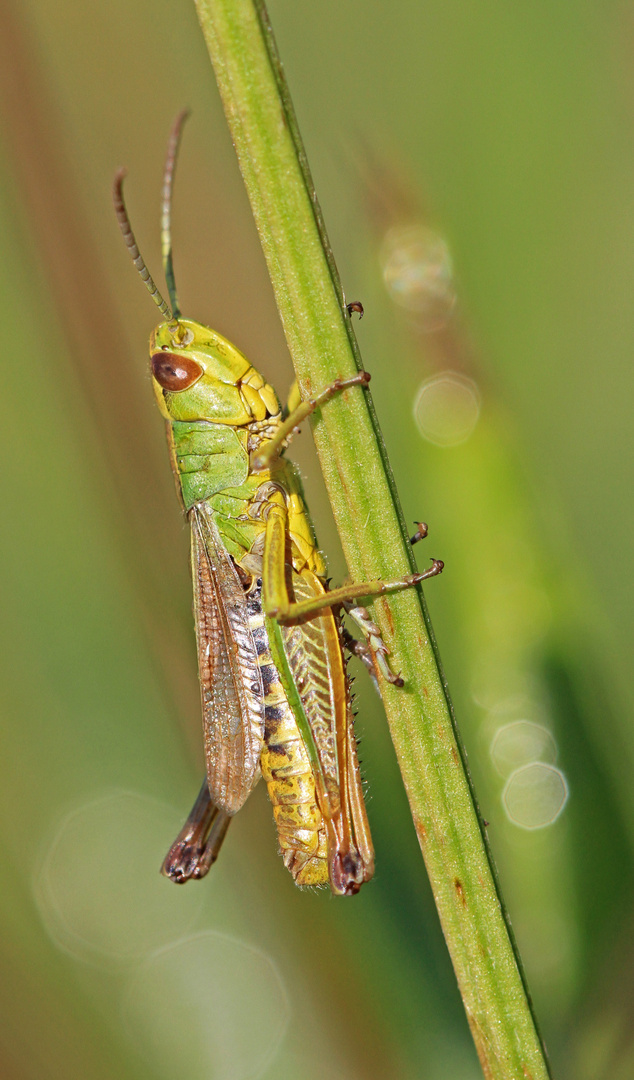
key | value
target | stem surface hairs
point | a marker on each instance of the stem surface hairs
(275, 693)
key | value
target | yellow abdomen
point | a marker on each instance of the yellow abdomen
(287, 773)
(286, 770)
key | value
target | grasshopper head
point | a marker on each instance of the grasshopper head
(198, 375)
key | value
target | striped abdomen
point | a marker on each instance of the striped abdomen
(286, 770)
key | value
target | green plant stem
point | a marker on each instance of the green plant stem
(361, 489)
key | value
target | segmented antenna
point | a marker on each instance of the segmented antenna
(166, 214)
(131, 244)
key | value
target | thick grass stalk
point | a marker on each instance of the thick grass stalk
(365, 506)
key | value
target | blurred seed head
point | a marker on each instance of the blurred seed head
(418, 273)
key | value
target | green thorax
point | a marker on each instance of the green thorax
(208, 458)
(212, 465)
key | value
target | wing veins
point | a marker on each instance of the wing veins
(231, 683)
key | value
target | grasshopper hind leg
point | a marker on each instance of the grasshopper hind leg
(196, 847)
(352, 853)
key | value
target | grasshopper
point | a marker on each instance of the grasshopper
(271, 643)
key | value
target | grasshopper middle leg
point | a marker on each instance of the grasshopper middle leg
(277, 603)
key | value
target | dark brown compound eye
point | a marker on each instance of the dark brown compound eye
(174, 372)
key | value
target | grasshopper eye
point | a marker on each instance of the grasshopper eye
(174, 372)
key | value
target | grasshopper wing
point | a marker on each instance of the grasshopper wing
(230, 679)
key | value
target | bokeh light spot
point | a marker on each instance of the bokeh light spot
(207, 1008)
(535, 795)
(99, 891)
(500, 687)
(446, 409)
(418, 273)
(521, 743)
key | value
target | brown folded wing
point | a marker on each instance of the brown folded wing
(230, 679)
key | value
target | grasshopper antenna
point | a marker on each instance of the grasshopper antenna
(131, 244)
(166, 214)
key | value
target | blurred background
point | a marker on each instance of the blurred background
(475, 165)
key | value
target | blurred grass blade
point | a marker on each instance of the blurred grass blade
(310, 300)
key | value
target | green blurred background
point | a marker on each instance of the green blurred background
(475, 165)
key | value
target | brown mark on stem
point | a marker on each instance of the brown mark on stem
(421, 831)
(389, 618)
(482, 1045)
(458, 886)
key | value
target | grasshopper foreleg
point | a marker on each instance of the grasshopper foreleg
(267, 453)
(197, 845)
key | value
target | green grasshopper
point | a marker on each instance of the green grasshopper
(275, 693)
